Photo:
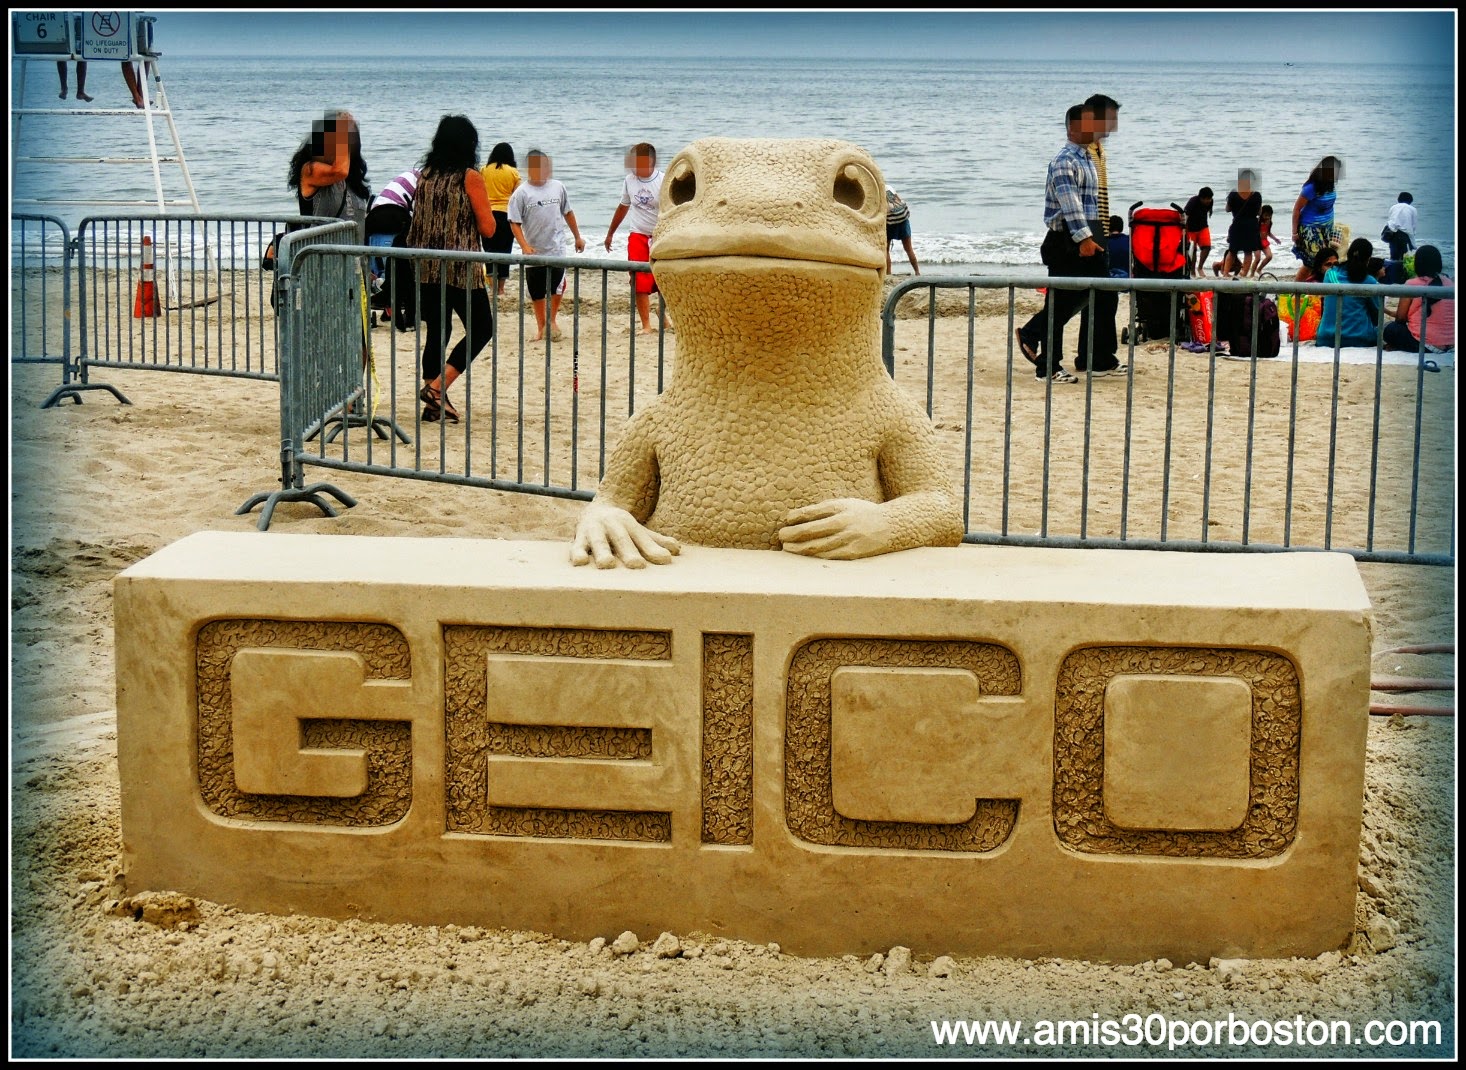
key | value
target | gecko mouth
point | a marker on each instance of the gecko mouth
(747, 264)
(759, 244)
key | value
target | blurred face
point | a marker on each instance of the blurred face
(540, 169)
(339, 137)
(1100, 123)
(642, 164)
(1091, 127)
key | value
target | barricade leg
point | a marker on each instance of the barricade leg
(310, 494)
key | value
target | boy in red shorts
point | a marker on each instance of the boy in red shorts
(640, 196)
(1198, 230)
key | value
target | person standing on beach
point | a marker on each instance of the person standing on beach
(1106, 112)
(451, 212)
(1313, 214)
(539, 212)
(1198, 230)
(501, 179)
(641, 194)
(898, 228)
(1244, 236)
(386, 225)
(1265, 238)
(1399, 232)
(1070, 246)
(328, 174)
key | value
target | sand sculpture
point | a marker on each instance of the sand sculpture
(1016, 751)
(781, 428)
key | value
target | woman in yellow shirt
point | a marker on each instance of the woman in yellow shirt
(501, 178)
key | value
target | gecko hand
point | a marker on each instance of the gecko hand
(608, 534)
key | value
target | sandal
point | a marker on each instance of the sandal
(432, 404)
(436, 405)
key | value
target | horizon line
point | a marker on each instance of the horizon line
(887, 58)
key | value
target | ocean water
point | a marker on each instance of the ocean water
(966, 144)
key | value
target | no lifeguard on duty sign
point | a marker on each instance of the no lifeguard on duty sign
(106, 35)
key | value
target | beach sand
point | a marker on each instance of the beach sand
(98, 486)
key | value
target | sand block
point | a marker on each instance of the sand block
(1114, 755)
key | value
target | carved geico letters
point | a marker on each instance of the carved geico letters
(983, 750)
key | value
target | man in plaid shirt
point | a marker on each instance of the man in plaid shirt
(1072, 247)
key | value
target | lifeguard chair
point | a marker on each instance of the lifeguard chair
(94, 37)
(98, 36)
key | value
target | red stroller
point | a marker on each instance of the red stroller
(1158, 251)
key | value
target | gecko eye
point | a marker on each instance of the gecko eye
(682, 183)
(856, 188)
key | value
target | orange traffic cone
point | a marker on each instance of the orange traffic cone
(146, 301)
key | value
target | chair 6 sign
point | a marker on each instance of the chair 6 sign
(1001, 750)
(40, 33)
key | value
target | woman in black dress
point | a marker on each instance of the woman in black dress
(1244, 236)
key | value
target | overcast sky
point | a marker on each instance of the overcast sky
(1204, 39)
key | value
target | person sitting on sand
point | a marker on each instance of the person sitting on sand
(1350, 320)
(1403, 332)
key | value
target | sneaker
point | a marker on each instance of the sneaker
(1119, 369)
(1060, 376)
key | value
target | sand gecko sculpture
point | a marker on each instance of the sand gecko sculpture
(780, 427)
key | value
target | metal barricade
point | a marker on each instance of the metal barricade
(537, 426)
(40, 298)
(1186, 451)
(181, 293)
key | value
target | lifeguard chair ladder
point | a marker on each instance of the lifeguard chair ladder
(94, 36)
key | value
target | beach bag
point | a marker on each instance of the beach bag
(1240, 311)
(1301, 312)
